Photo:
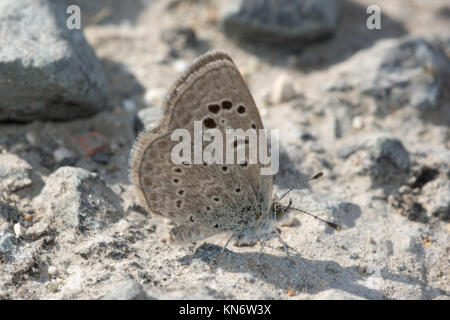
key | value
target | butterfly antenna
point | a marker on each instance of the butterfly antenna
(301, 183)
(331, 224)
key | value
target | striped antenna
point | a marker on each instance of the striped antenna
(331, 224)
(314, 177)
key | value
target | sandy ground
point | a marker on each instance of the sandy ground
(379, 254)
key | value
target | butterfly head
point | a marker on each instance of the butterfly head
(279, 211)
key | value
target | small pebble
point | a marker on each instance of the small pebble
(404, 190)
(291, 292)
(32, 138)
(316, 148)
(283, 90)
(354, 256)
(89, 143)
(180, 65)
(52, 271)
(101, 157)
(19, 230)
(154, 97)
(305, 136)
(69, 162)
(62, 153)
(357, 123)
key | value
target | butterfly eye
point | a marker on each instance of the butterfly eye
(279, 214)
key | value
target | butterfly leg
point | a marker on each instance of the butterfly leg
(285, 245)
(263, 243)
(225, 246)
(286, 248)
(214, 262)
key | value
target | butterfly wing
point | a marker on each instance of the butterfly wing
(221, 197)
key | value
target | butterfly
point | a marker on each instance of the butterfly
(208, 198)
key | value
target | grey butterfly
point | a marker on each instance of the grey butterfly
(206, 199)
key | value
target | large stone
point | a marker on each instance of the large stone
(280, 21)
(46, 70)
(74, 198)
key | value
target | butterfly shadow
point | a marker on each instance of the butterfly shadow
(299, 273)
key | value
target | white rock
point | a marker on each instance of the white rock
(154, 97)
(52, 271)
(283, 90)
(180, 65)
(62, 153)
(357, 123)
(19, 230)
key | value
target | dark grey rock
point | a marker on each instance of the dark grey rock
(416, 212)
(46, 70)
(9, 213)
(8, 242)
(280, 21)
(76, 198)
(407, 205)
(127, 290)
(101, 157)
(69, 162)
(354, 256)
(424, 175)
(411, 72)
